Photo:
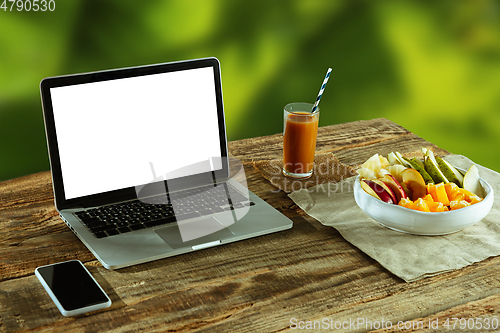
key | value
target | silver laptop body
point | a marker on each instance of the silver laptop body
(140, 166)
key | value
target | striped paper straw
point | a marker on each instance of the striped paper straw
(315, 106)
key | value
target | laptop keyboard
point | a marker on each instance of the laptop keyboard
(135, 215)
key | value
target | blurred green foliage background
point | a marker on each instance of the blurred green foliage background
(433, 66)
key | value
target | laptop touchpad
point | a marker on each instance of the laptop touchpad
(194, 233)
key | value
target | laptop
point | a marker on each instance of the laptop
(140, 164)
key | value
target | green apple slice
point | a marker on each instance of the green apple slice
(433, 170)
(421, 169)
(393, 159)
(471, 181)
(451, 173)
(432, 167)
(419, 162)
(402, 160)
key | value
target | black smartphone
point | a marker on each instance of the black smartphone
(72, 288)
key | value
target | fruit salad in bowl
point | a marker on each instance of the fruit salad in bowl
(429, 197)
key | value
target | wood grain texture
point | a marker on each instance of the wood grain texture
(258, 285)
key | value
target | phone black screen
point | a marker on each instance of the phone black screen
(72, 285)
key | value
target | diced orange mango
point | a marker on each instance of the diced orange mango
(421, 205)
(441, 194)
(437, 207)
(474, 199)
(406, 203)
(431, 190)
(428, 198)
(467, 194)
(451, 190)
(462, 194)
(457, 196)
(442, 198)
(442, 208)
(438, 193)
(433, 205)
(458, 204)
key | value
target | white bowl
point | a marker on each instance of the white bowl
(422, 223)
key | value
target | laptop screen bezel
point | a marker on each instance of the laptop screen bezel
(128, 193)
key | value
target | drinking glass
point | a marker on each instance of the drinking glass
(300, 130)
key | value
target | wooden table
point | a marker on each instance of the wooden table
(308, 275)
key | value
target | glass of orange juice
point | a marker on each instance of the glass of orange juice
(299, 139)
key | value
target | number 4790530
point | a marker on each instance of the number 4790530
(28, 5)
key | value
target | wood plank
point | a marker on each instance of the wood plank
(348, 135)
(21, 259)
(308, 272)
(314, 275)
(409, 145)
(475, 316)
(15, 193)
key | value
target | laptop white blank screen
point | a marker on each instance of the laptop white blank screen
(122, 133)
